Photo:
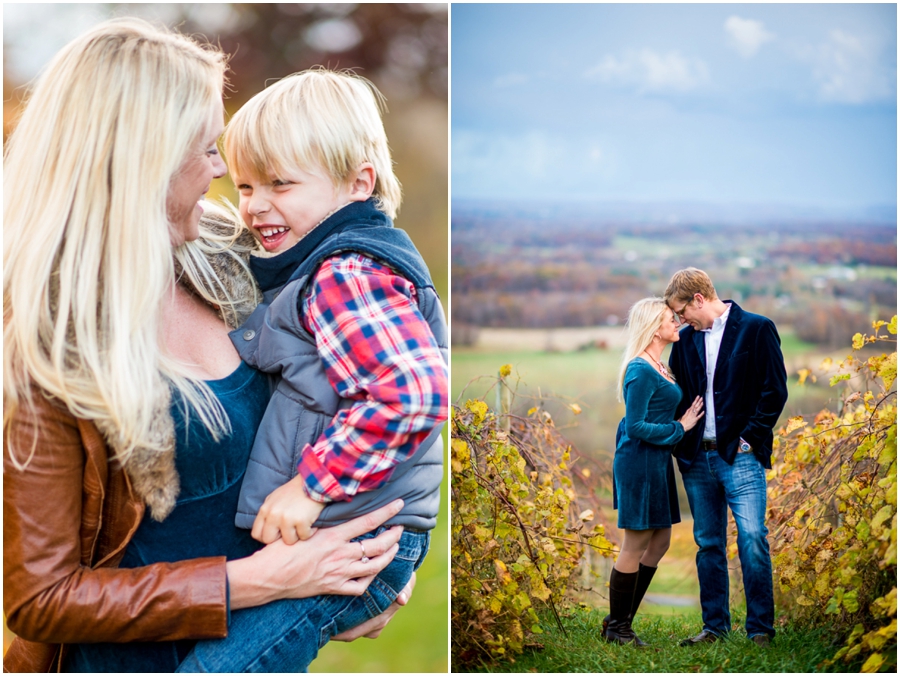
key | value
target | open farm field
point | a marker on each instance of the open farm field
(547, 364)
(826, 279)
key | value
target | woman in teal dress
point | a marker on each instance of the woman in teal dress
(643, 477)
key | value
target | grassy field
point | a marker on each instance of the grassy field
(588, 377)
(670, 613)
(582, 650)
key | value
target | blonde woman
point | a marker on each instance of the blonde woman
(128, 415)
(643, 478)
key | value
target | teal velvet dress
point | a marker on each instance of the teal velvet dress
(202, 522)
(643, 475)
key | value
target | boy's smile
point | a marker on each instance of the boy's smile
(281, 211)
(272, 237)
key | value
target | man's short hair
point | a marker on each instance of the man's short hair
(685, 283)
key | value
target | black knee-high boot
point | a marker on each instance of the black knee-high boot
(621, 596)
(645, 574)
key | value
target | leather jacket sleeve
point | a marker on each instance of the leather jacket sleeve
(67, 517)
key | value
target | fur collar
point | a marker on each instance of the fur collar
(152, 471)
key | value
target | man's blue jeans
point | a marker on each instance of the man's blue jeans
(285, 636)
(712, 486)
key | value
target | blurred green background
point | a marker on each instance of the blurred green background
(402, 49)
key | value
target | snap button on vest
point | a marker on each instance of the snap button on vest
(248, 334)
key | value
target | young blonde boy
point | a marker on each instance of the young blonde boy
(351, 324)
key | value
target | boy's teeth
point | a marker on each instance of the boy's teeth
(268, 232)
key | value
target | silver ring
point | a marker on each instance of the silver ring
(364, 559)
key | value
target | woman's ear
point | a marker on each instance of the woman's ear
(363, 185)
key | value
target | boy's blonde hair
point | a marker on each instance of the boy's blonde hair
(87, 253)
(314, 120)
(644, 319)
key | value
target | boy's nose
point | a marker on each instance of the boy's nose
(258, 205)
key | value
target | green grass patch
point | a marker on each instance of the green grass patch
(583, 650)
(792, 346)
(566, 373)
(674, 577)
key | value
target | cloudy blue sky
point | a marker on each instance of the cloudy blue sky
(728, 103)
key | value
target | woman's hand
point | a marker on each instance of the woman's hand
(692, 415)
(372, 628)
(327, 563)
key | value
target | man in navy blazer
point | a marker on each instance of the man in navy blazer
(732, 359)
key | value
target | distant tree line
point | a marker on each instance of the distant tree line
(535, 273)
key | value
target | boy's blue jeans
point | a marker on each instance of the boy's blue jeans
(285, 636)
(712, 486)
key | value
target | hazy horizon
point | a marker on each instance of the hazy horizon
(676, 211)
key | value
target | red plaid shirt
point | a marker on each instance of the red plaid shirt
(378, 350)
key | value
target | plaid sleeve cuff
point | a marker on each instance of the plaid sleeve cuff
(321, 484)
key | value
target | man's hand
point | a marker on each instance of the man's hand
(372, 628)
(288, 513)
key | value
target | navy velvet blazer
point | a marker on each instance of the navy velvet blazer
(750, 386)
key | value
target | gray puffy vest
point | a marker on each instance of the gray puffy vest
(303, 404)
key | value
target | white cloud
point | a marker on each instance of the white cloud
(848, 69)
(747, 35)
(652, 71)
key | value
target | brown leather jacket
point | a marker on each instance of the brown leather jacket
(67, 518)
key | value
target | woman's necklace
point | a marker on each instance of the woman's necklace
(660, 366)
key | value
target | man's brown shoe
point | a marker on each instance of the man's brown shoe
(703, 637)
(762, 640)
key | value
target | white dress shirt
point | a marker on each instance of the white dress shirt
(713, 339)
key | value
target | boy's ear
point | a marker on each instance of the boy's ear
(362, 187)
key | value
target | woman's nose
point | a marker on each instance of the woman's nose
(219, 168)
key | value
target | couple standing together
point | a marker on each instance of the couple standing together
(714, 409)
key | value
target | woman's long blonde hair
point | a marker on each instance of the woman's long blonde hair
(644, 319)
(87, 256)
